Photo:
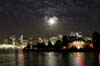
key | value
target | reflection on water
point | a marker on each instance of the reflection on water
(77, 59)
(20, 58)
(53, 59)
(40, 63)
(7, 58)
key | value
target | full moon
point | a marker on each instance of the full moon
(52, 21)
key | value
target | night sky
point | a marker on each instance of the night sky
(28, 17)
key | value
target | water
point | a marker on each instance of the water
(20, 58)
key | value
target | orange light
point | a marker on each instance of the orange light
(64, 47)
(91, 45)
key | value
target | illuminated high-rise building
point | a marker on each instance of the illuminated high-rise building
(13, 39)
(21, 39)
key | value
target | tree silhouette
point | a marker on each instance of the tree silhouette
(49, 44)
(65, 41)
(96, 43)
(41, 46)
(28, 46)
(57, 44)
(96, 40)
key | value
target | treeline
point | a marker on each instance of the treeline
(41, 46)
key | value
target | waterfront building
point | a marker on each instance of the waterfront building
(13, 39)
(78, 44)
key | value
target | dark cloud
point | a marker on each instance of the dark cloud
(27, 8)
(26, 16)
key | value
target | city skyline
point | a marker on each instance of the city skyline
(31, 17)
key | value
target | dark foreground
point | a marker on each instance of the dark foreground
(33, 58)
